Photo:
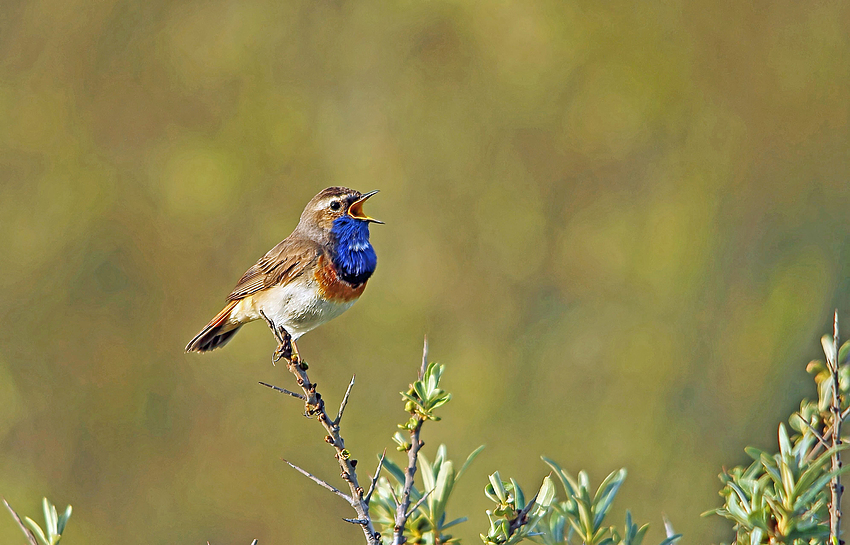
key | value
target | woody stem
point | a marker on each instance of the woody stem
(315, 406)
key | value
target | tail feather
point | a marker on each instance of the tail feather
(216, 333)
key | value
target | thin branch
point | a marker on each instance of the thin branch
(315, 406)
(344, 401)
(320, 482)
(821, 439)
(27, 532)
(368, 497)
(420, 502)
(401, 512)
(359, 522)
(521, 518)
(285, 391)
(395, 497)
(835, 408)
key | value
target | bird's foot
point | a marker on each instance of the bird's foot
(281, 352)
(284, 347)
(287, 349)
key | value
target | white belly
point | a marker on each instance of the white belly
(296, 306)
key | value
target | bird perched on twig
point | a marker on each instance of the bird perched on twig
(314, 275)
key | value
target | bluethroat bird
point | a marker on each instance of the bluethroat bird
(314, 275)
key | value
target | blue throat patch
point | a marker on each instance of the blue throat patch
(352, 255)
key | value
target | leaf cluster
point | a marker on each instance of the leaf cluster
(54, 524)
(424, 396)
(580, 518)
(783, 497)
(427, 524)
(512, 519)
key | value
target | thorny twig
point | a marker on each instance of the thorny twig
(344, 401)
(324, 484)
(315, 406)
(285, 391)
(374, 483)
(420, 502)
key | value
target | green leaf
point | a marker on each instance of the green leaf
(445, 483)
(36, 529)
(498, 487)
(586, 521)
(672, 539)
(843, 352)
(519, 497)
(768, 464)
(606, 493)
(442, 455)
(811, 474)
(819, 484)
(784, 441)
(63, 520)
(754, 453)
(569, 484)
(453, 523)
(50, 518)
(641, 533)
(546, 495)
(419, 388)
(427, 472)
(740, 493)
(394, 470)
(828, 346)
(472, 456)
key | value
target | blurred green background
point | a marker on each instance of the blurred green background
(622, 226)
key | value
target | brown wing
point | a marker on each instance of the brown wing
(280, 265)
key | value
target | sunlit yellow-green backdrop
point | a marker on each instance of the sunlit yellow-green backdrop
(622, 225)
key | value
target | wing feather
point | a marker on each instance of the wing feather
(280, 265)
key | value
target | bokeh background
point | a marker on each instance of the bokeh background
(622, 225)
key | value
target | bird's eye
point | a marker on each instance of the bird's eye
(335, 205)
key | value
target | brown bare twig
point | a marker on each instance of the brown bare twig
(27, 532)
(315, 406)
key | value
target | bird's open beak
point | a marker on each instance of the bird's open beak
(356, 208)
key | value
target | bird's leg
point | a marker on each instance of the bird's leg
(284, 348)
(292, 356)
(284, 340)
(285, 345)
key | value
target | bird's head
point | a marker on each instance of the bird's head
(332, 204)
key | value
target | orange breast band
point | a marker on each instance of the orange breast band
(330, 285)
